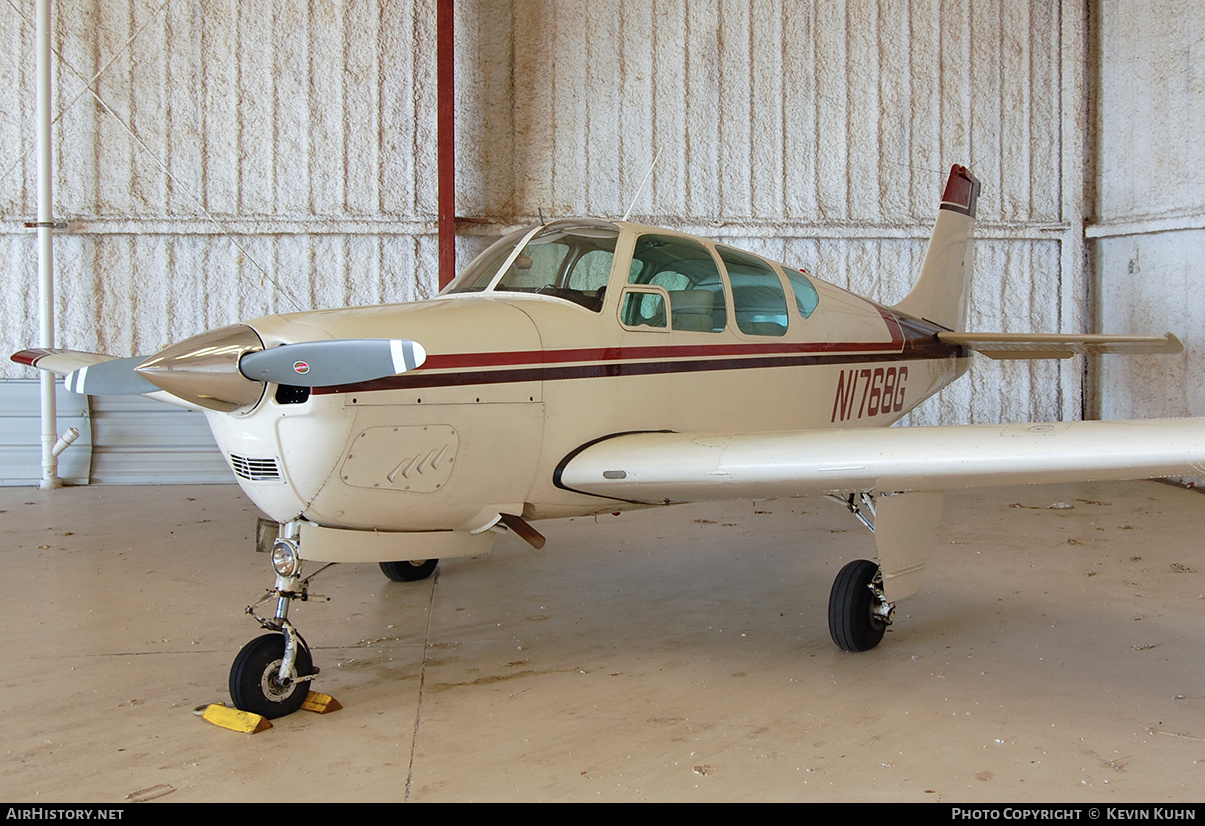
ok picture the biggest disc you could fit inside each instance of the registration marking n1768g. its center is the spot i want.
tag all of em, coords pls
(868, 391)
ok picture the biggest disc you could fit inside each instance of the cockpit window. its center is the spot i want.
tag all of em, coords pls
(688, 273)
(565, 259)
(481, 271)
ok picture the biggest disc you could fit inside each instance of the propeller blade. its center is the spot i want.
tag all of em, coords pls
(331, 363)
(110, 378)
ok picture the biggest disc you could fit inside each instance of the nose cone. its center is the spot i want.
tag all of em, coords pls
(204, 369)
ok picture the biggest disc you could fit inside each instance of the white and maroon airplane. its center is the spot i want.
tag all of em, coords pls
(590, 366)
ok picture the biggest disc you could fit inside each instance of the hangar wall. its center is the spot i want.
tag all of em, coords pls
(1147, 235)
(247, 158)
(817, 133)
(255, 157)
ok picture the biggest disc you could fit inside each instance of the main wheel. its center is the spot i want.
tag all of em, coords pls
(409, 571)
(254, 678)
(851, 618)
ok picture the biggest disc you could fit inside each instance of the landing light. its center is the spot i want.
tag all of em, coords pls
(286, 559)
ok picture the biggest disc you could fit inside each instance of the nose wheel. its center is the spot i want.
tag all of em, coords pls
(256, 684)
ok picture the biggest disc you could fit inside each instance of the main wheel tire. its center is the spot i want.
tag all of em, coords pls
(851, 619)
(254, 683)
(409, 571)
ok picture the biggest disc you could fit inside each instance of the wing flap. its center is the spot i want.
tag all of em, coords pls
(1059, 345)
(664, 468)
(905, 527)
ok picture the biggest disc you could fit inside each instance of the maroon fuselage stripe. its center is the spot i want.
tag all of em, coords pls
(470, 361)
(911, 341)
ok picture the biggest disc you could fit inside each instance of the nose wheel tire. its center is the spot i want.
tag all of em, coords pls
(254, 678)
(409, 571)
(852, 621)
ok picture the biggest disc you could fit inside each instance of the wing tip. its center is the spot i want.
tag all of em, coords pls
(31, 356)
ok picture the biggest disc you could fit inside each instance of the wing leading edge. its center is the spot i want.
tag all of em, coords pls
(903, 469)
(664, 468)
(97, 374)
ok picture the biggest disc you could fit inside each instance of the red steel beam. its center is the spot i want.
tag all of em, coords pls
(446, 137)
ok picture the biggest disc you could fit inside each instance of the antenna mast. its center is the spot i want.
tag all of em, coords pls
(641, 187)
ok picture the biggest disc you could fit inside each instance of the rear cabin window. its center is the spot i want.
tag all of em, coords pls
(758, 300)
(806, 297)
(690, 277)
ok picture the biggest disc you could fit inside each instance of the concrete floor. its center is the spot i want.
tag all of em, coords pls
(1052, 655)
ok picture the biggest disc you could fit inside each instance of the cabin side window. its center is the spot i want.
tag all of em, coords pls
(643, 307)
(806, 297)
(690, 277)
(758, 300)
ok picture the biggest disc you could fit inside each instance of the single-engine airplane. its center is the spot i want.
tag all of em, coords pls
(591, 366)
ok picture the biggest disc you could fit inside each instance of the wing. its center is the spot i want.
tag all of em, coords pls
(665, 468)
(903, 469)
(59, 361)
(190, 372)
(97, 374)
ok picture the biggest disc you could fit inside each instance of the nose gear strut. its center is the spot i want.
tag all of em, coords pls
(271, 674)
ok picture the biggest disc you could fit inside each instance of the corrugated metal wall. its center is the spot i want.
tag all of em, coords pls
(1147, 237)
(764, 110)
(20, 434)
(124, 440)
(254, 157)
(239, 158)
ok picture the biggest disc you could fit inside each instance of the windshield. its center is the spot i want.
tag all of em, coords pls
(565, 259)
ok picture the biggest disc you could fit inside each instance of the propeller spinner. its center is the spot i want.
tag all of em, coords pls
(204, 369)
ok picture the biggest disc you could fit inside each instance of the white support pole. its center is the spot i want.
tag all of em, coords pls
(50, 461)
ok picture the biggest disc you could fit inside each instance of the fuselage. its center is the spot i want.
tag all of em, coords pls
(552, 339)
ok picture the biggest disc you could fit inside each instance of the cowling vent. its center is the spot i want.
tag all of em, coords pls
(255, 470)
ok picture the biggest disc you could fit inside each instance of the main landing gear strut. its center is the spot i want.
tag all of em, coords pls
(271, 675)
(858, 610)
